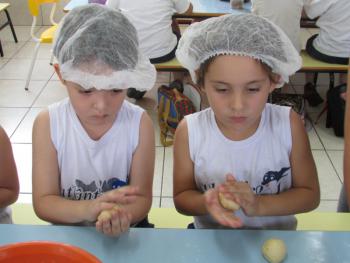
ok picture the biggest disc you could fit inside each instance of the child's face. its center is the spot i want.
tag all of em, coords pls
(95, 107)
(237, 88)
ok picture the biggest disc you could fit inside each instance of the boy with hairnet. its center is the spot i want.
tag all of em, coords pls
(153, 22)
(242, 150)
(93, 152)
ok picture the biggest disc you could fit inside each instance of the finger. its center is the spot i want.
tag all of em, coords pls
(116, 230)
(106, 227)
(124, 220)
(232, 221)
(99, 226)
(230, 177)
(106, 206)
(128, 190)
(120, 197)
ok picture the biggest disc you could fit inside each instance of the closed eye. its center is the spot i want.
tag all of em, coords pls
(116, 90)
(84, 91)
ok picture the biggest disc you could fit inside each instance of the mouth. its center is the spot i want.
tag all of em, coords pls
(238, 119)
(100, 117)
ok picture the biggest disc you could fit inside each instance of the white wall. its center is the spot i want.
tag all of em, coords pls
(20, 15)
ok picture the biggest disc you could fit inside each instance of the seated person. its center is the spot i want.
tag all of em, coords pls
(242, 149)
(332, 44)
(153, 22)
(93, 152)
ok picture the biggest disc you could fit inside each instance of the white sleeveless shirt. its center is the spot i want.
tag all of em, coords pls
(88, 167)
(261, 160)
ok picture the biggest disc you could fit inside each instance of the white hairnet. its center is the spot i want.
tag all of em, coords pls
(242, 35)
(97, 47)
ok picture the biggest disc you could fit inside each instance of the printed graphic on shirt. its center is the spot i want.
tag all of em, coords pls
(82, 191)
(271, 182)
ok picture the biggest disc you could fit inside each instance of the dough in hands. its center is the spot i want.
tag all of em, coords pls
(227, 203)
(274, 250)
(107, 214)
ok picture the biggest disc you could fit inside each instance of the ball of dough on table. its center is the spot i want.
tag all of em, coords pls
(274, 250)
(227, 203)
(107, 214)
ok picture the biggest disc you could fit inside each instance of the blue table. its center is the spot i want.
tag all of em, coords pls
(201, 8)
(181, 245)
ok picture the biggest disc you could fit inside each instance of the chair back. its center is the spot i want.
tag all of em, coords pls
(34, 5)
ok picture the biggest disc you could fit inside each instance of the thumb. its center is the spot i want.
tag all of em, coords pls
(230, 177)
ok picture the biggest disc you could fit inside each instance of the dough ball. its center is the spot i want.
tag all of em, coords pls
(274, 250)
(227, 203)
(107, 214)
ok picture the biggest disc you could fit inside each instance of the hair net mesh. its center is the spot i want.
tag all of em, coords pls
(242, 35)
(97, 47)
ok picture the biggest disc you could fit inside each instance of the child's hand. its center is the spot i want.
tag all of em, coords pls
(220, 214)
(120, 196)
(241, 193)
(117, 222)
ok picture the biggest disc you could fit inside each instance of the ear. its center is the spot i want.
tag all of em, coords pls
(58, 72)
(274, 83)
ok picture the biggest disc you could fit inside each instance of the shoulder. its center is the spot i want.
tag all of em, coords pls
(131, 108)
(42, 121)
(277, 112)
(4, 139)
(200, 115)
(146, 121)
(297, 125)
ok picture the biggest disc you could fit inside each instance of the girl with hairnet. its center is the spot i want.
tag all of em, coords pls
(242, 149)
(93, 152)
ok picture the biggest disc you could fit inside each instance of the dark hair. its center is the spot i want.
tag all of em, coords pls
(203, 69)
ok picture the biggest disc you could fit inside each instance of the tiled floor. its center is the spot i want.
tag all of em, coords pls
(18, 109)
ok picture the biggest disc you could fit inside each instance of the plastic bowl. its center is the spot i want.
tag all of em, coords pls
(44, 251)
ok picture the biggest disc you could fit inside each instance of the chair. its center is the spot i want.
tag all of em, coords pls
(46, 36)
(3, 7)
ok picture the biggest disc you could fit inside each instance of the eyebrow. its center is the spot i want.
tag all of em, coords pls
(227, 83)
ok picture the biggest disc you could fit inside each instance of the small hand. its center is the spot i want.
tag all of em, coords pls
(116, 223)
(120, 196)
(241, 193)
(220, 214)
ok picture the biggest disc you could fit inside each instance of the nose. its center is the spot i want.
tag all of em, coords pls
(237, 101)
(100, 102)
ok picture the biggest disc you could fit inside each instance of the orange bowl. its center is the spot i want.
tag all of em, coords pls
(44, 251)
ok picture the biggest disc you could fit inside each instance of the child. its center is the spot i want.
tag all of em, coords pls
(89, 145)
(153, 22)
(332, 44)
(284, 13)
(254, 153)
(9, 186)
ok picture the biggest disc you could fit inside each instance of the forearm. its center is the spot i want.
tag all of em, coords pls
(191, 203)
(7, 197)
(293, 201)
(58, 210)
(139, 209)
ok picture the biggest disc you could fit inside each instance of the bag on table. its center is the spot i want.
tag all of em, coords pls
(173, 105)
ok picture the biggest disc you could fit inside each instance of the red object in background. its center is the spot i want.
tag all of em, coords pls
(44, 251)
